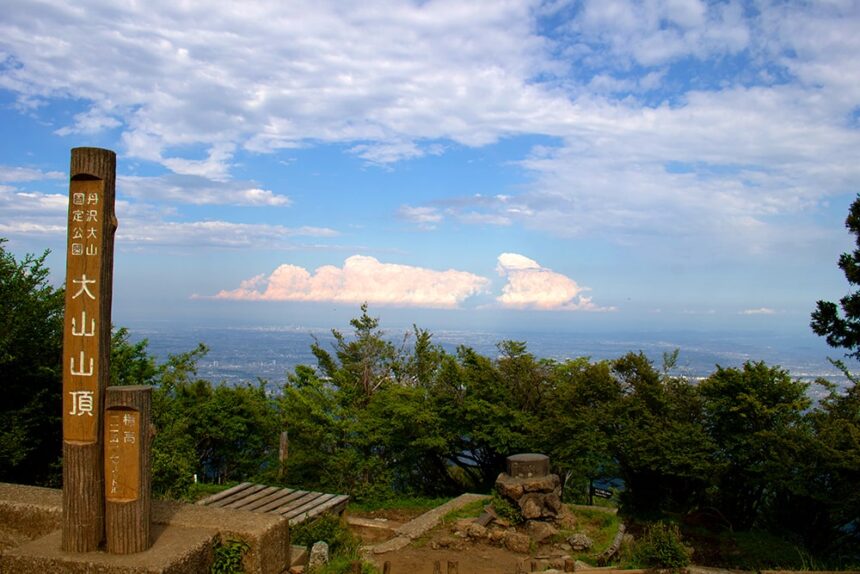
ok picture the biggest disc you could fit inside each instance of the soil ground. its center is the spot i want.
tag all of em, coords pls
(442, 545)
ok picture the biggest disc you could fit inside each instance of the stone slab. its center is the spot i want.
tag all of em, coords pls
(267, 534)
(176, 550)
(30, 511)
(33, 512)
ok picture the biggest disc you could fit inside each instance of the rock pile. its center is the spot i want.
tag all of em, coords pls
(529, 486)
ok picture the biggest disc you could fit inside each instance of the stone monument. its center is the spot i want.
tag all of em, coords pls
(529, 485)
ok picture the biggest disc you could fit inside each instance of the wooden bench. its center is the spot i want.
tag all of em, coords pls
(295, 505)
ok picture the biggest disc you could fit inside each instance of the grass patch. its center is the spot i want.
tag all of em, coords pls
(598, 525)
(343, 565)
(757, 549)
(200, 490)
(470, 510)
(412, 503)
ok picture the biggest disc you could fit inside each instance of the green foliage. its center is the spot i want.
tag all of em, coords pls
(842, 330)
(328, 528)
(756, 420)
(31, 315)
(228, 557)
(218, 432)
(661, 547)
(418, 504)
(758, 550)
(470, 510)
(506, 510)
(663, 453)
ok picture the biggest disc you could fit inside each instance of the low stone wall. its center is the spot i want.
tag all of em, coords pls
(185, 531)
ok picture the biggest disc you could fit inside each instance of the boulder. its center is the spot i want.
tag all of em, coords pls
(548, 483)
(496, 535)
(319, 555)
(516, 542)
(580, 542)
(540, 531)
(531, 506)
(509, 487)
(475, 530)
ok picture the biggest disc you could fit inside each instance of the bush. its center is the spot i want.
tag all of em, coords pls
(329, 528)
(661, 547)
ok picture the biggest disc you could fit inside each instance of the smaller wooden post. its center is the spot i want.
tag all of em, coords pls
(437, 567)
(128, 475)
(453, 567)
(386, 567)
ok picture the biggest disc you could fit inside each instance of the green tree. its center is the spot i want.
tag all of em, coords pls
(842, 330)
(576, 433)
(363, 364)
(657, 437)
(755, 416)
(31, 315)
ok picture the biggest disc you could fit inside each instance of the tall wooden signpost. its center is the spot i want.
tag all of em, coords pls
(86, 344)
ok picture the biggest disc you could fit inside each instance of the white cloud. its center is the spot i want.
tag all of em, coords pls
(383, 76)
(363, 278)
(654, 32)
(214, 234)
(425, 217)
(530, 286)
(198, 190)
(759, 311)
(28, 213)
(31, 213)
(10, 174)
(689, 173)
(514, 262)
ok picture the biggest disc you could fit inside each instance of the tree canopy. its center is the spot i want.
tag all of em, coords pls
(842, 329)
(31, 338)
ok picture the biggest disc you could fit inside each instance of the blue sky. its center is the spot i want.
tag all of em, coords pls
(541, 165)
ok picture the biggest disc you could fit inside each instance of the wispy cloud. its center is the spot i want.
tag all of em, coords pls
(32, 213)
(426, 217)
(197, 190)
(12, 174)
(759, 311)
(363, 278)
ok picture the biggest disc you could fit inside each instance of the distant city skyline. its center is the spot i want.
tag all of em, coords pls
(573, 165)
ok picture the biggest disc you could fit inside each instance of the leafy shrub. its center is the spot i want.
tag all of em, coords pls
(329, 528)
(506, 510)
(661, 547)
(228, 557)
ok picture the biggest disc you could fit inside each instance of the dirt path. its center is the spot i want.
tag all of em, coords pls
(471, 560)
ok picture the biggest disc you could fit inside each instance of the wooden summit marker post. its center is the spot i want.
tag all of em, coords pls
(127, 468)
(86, 343)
